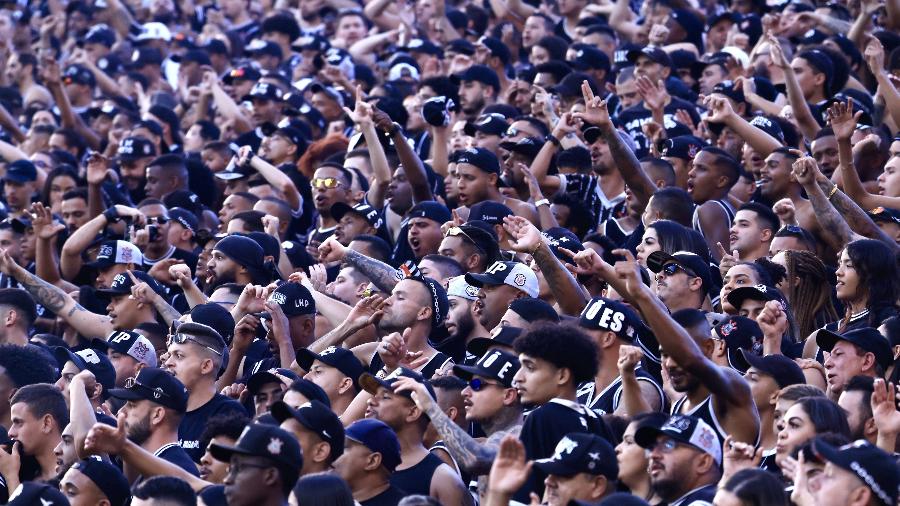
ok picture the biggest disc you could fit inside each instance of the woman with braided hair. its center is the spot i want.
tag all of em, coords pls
(807, 288)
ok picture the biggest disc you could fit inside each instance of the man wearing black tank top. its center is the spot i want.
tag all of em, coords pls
(420, 471)
(554, 361)
(712, 175)
(718, 395)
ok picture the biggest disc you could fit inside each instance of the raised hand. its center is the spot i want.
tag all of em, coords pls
(141, 291)
(332, 251)
(181, 273)
(805, 170)
(654, 95)
(318, 276)
(161, 271)
(362, 110)
(772, 320)
(42, 221)
(236, 391)
(729, 260)
(419, 393)
(366, 312)
(884, 408)
(719, 109)
(97, 169)
(628, 271)
(510, 469)
(874, 54)
(534, 188)
(785, 211)
(382, 121)
(776, 53)
(738, 456)
(392, 350)
(801, 495)
(659, 34)
(629, 358)
(7, 264)
(271, 224)
(103, 438)
(252, 299)
(588, 262)
(565, 125)
(525, 237)
(843, 120)
(595, 112)
(281, 328)
(11, 462)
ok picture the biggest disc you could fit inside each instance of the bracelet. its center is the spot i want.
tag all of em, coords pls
(111, 215)
(834, 190)
(542, 202)
(551, 138)
(539, 244)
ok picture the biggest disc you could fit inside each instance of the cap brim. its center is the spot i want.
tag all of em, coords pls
(230, 176)
(480, 345)
(101, 264)
(826, 339)
(281, 412)
(126, 394)
(645, 437)
(371, 384)
(549, 466)
(110, 291)
(467, 371)
(259, 379)
(480, 280)
(658, 259)
(305, 358)
(755, 361)
(223, 453)
(827, 452)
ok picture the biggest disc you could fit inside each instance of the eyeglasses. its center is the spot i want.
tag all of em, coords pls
(154, 393)
(456, 231)
(673, 268)
(511, 132)
(179, 338)
(666, 445)
(238, 466)
(325, 182)
(157, 220)
(478, 385)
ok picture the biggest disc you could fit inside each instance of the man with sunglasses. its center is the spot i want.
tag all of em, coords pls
(472, 246)
(331, 183)
(685, 456)
(155, 403)
(195, 358)
(683, 279)
(490, 400)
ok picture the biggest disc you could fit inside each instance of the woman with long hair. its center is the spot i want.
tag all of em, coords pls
(808, 289)
(666, 236)
(759, 272)
(752, 487)
(807, 418)
(633, 460)
(59, 181)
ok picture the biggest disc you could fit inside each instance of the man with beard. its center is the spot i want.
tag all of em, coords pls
(236, 259)
(500, 284)
(717, 395)
(133, 156)
(685, 456)
(478, 87)
(155, 404)
(460, 322)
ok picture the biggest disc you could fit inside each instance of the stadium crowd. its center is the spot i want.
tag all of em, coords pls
(458, 253)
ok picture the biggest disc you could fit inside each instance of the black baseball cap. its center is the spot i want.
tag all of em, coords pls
(588, 57)
(367, 212)
(244, 72)
(263, 91)
(580, 452)
(490, 212)
(294, 299)
(483, 240)
(30, 493)
(514, 274)
(560, 237)
(612, 316)
(434, 211)
(318, 418)
(107, 477)
(371, 383)
(79, 74)
(260, 378)
(497, 48)
(742, 336)
(656, 55)
(684, 147)
(867, 338)
(341, 359)
(532, 309)
(20, 171)
(874, 467)
(760, 292)
(267, 441)
(378, 437)
(783, 370)
(529, 147)
(491, 124)
(496, 364)
(155, 385)
(135, 148)
(88, 359)
(122, 283)
(479, 73)
(503, 338)
(768, 126)
(422, 46)
(185, 218)
(461, 46)
(480, 158)
(686, 259)
(884, 215)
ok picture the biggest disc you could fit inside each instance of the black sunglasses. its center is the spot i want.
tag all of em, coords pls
(477, 384)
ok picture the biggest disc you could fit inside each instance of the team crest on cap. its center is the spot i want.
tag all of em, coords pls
(274, 446)
(727, 329)
(761, 288)
(519, 280)
(693, 149)
(278, 298)
(564, 447)
(471, 291)
(157, 392)
(105, 251)
(328, 351)
(679, 423)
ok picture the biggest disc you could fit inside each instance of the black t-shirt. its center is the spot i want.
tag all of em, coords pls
(389, 497)
(194, 423)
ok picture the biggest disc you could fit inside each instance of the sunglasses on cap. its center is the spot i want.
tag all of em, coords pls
(457, 232)
(478, 384)
(794, 229)
(672, 268)
(325, 182)
(179, 338)
(132, 383)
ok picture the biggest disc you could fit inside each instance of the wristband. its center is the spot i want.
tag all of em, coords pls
(542, 202)
(553, 139)
(111, 215)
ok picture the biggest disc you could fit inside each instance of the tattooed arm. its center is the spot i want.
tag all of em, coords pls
(857, 219)
(637, 180)
(83, 321)
(569, 295)
(381, 274)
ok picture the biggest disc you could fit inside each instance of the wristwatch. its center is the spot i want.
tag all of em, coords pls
(111, 215)
(554, 140)
(542, 202)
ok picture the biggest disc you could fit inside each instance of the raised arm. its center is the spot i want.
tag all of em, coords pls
(226, 106)
(71, 261)
(875, 58)
(362, 116)
(81, 412)
(68, 117)
(802, 113)
(412, 164)
(720, 111)
(675, 341)
(380, 274)
(59, 302)
(596, 113)
(839, 232)
(526, 238)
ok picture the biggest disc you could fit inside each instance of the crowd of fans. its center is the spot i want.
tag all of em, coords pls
(420, 252)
